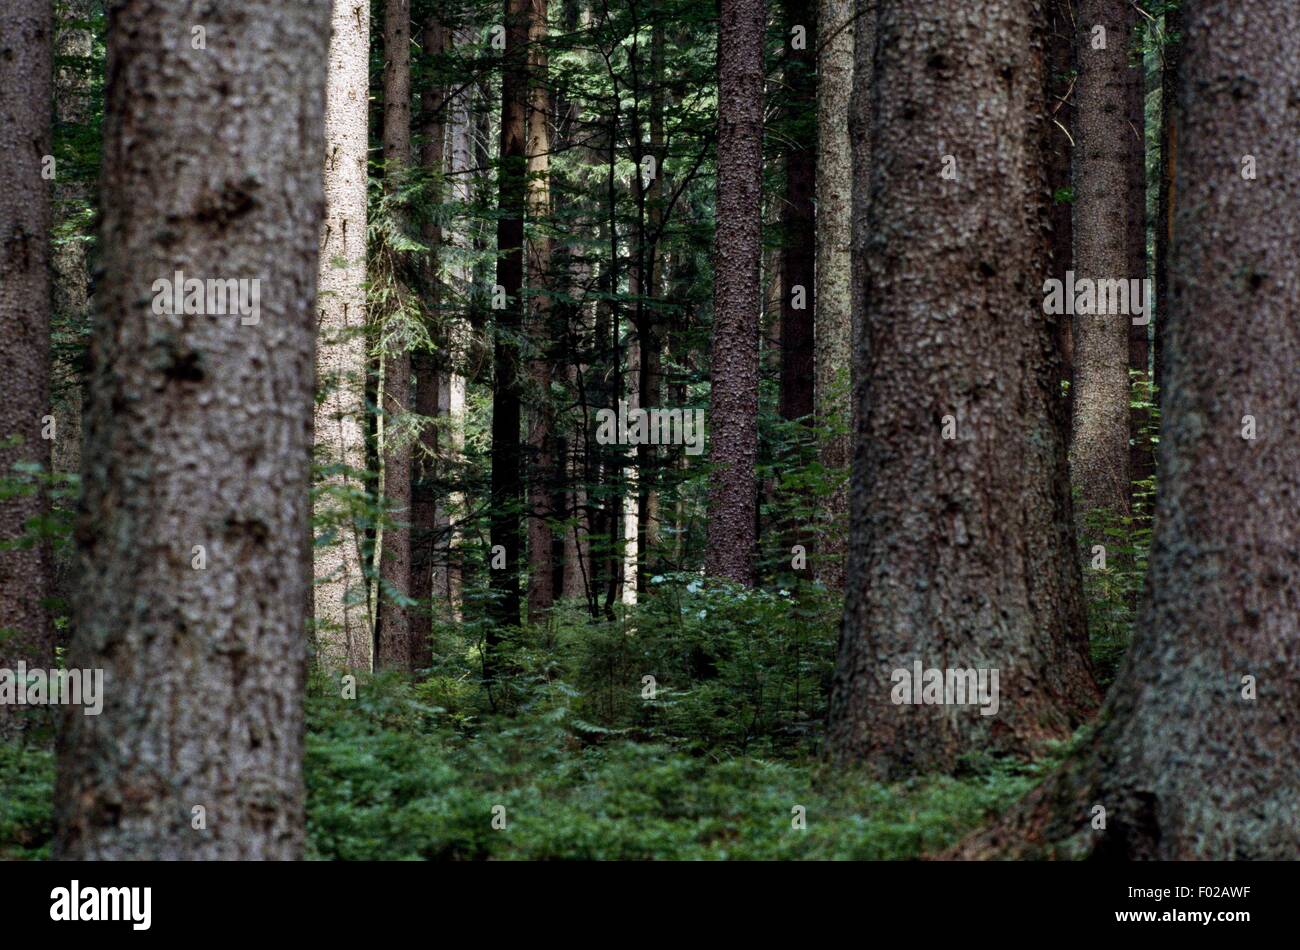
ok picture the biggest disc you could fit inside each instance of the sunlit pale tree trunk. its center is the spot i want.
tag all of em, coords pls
(26, 91)
(344, 635)
(961, 552)
(447, 572)
(834, 296)
(1195, 755)
(194, 530)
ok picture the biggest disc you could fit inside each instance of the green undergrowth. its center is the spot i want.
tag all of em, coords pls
(687, 728)
(387, 779)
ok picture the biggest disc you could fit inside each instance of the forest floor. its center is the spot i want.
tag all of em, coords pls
(575, 763)
(387, 782)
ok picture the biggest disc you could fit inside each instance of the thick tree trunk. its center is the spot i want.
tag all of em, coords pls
(507, 472)
(733, 495)
(834, 297)
(394, 648)
(1191, 758)
(1099, 456)
(26, 97)
(343, 630)
(194, 528)
(961, 553)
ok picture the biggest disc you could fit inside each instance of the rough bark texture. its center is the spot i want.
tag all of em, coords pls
(26, 95)
(834, 297)
(198, 433)
(733, 495)
(961, 553)
(1099, 463)
(343, 632)
(507, 473)
(394, 648)
(1184, 765)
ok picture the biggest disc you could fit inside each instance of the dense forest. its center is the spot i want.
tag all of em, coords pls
(649, 429)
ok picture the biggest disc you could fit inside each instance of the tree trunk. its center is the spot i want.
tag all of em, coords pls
(194, 527)
(448, 575)
(961, 553)
(394, 648)
(733, 496)
(429, 367)
(834, 297)
(26, 96)
(464, 341)
(343, 630)
(1099, 458)
(507, 473)
(1192, 760)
